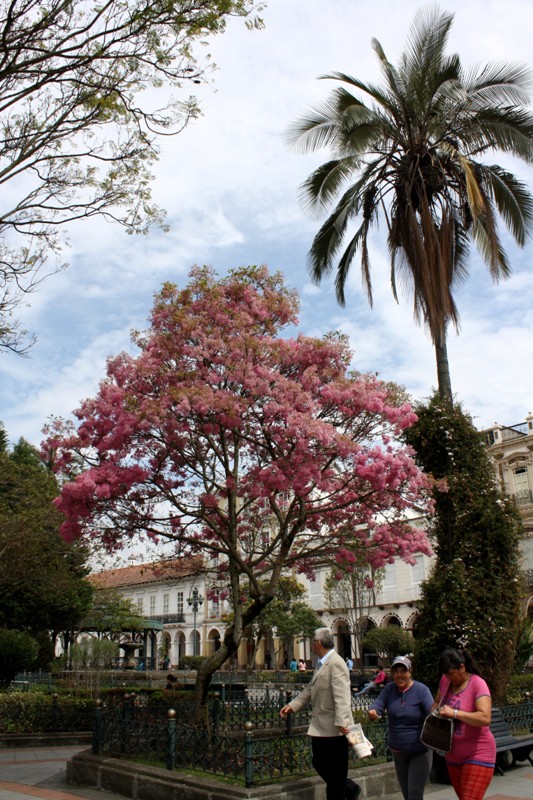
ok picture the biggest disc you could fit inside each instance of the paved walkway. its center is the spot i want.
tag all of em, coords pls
(27, 773)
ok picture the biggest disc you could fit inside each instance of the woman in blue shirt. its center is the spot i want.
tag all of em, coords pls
(407, 703)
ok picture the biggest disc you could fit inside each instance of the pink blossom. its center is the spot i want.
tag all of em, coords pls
(231, 438)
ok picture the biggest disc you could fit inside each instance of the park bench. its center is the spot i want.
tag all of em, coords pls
(519, 747)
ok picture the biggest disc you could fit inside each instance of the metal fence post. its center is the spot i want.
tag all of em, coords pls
(289, 719)
(171, 738)
(125, 723)
(54, 716)
(248, 755)
(97, 728)
(216, 711)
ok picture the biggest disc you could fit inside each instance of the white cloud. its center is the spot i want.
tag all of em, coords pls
(230, 185)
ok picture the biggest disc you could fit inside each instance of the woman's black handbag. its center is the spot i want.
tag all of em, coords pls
(437, 732)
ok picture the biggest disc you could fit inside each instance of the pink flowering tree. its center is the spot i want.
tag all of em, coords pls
(259, 451)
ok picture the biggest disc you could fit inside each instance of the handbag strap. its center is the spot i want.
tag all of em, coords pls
(441, 701)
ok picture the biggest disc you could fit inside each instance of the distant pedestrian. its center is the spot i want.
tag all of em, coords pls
(302, 666)
(349, 663)
(294, 665)
(377, 682)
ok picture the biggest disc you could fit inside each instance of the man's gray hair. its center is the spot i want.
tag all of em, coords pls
(325, 637)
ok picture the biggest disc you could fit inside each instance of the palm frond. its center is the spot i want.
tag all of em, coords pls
(426, 43)
(505, 84)
(513, 200)
(509, 130)
(476, 200)
(324, 183)
(345, 263)
(329, 238)
(493, 255)
(376, 93)
(313, 131)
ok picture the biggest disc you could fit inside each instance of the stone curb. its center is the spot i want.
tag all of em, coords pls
(140, 782)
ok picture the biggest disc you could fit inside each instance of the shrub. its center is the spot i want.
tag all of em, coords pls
(191, 662)
(94, 654)
(37, 712)
(520, 688)
(18, 652)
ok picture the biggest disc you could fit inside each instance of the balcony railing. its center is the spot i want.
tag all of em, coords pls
(523, 498)
(166, 618)
(506, 433)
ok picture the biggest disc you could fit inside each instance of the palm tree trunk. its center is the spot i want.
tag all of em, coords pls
(443, 370)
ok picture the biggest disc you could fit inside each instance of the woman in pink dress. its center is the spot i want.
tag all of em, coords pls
(466, 699)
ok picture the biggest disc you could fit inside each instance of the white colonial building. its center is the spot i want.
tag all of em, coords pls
(177, 595)
(511, 448)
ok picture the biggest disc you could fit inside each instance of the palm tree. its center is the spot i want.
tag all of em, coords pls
(411, 157)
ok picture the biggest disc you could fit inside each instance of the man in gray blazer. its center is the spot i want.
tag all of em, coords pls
(330, 695)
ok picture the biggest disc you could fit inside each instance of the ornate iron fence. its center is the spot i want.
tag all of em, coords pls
(235, 747)
(519, 717)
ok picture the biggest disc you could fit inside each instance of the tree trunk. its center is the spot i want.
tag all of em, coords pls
(443, 370)
(228, 646)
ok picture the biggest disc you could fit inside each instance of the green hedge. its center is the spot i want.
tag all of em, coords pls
(520, 688)
(39, 712)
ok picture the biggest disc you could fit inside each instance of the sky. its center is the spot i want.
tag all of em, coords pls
(230, 185)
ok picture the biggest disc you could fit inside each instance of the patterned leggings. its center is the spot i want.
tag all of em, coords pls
(470, 781)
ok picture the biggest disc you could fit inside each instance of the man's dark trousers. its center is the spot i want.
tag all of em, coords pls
(330, 759)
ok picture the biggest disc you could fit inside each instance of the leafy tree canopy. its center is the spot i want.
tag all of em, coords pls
(18, 652)
(111, 614)
(42, 577)
(388, 642)
(288, 615)
(260, 450)
(79, 128)
(352, 588)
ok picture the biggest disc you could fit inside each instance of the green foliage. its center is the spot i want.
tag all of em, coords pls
(110, 613)
(74, 147)
(37, 712)
(287, 614)
(388, 642)
(42, 578)
(93, 654)
(523, 644)
(191, 662)
(471, 599)
(18, 652)
(519, 689)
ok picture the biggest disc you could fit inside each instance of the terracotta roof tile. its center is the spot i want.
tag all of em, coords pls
(154, 572)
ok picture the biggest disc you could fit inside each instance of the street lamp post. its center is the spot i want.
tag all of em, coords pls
(195, 600)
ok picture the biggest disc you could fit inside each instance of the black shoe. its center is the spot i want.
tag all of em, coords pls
(353, 790)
